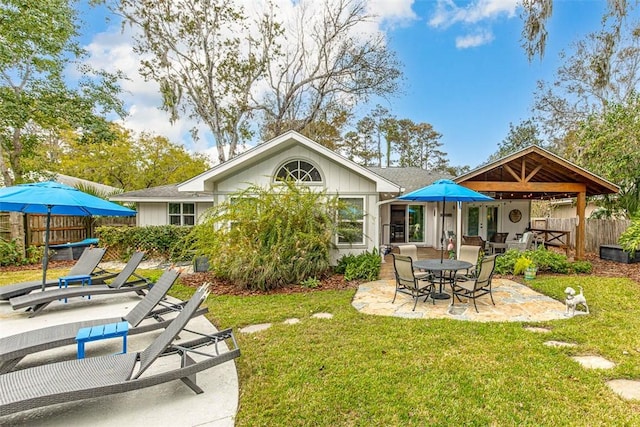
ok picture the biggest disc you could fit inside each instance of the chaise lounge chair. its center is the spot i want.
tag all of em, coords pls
(37, 301)
(15, 347)
(92, 377)
(87, 265)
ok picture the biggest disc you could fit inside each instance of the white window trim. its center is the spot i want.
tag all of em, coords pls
(315, 166)
(181, 215)
(362, 221)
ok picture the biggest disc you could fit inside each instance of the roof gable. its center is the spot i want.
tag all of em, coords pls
(534, 172)
(260, 151)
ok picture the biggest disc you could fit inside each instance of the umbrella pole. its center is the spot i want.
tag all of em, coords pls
(442, 233)
(45, 258)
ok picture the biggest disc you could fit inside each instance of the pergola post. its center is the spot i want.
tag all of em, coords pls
(581, 205)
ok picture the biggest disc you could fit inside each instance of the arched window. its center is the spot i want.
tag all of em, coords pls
(298, 171)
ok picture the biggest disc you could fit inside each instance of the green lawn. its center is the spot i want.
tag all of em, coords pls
(367, 370)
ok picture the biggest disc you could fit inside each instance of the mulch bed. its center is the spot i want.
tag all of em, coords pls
(336, 282)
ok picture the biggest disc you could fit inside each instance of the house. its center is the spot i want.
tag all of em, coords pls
(386, 220)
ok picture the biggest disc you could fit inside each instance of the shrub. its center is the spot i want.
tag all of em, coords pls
(265, 238)
(581, 267)
(511, 262)
(365, 266)
(11, 254)
(163, 241)
(630, 238)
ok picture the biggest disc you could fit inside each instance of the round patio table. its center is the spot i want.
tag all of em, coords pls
(450, 265)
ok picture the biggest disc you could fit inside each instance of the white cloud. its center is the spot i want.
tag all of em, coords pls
(472, 15)
(392, 11)
(449, 13)
(473, 40)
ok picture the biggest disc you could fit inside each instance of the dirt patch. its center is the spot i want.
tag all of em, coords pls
(223, 287)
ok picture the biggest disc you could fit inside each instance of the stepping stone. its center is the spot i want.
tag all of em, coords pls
(538, 330)
(322, 315)
(457, 310)
(255, 328)
(291, 321)
(559, 344)
(594, 362)
(627, 389)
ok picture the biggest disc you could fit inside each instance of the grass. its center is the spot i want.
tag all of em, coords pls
(362, 370)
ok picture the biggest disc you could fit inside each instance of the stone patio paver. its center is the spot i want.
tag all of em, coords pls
(514, 303)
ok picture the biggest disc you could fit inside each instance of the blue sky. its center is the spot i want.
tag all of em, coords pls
(467, 76)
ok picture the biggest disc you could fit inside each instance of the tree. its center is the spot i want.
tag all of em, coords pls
(603, 68)
(38, 44)
(520, 136)
(131, 163)
(327, 63)
(417, 144)
(609, 145)
(216, 64)
(536, 13)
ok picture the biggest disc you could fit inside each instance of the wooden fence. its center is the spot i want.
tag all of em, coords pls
(63, 229)
(597, 231)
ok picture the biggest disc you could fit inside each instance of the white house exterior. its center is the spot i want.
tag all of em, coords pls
(386, 221)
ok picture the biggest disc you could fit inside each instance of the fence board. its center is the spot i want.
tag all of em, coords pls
(597, 231)
(5, 226)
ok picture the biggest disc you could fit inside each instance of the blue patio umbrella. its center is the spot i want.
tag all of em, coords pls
(444, 190)
(52, 198)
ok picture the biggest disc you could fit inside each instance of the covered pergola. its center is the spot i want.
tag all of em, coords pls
(534, 173)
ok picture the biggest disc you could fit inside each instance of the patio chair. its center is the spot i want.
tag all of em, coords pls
(409, 250)
(468, 253)
(87, 264)
(409, 282)
(479, 286)
(522, 244)
(474, 241)
(74, 380)
(142, 318)
(38, 301)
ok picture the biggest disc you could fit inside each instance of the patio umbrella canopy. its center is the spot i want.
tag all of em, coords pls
(444, 190)
(52, 198)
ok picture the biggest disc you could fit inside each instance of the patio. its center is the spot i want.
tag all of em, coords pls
(217, 406)
(514, 301)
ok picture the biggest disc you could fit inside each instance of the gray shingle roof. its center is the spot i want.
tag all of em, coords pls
(411, 178)
(167, 192)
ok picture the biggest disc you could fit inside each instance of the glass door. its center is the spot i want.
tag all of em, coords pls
(491, 221)
(482, 221)
(398, 220)
(416, 223)
(473, 221)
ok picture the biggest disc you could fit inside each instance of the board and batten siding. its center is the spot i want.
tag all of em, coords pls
(157, 213)
(337, 178)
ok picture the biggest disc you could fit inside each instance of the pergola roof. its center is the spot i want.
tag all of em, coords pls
(534, 173)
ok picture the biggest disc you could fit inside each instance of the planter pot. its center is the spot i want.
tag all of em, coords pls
(530, 273)
(200, 264)
(615, 253)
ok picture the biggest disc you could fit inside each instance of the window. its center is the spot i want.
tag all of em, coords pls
(298, 171)
(351, 218)
(182, 213)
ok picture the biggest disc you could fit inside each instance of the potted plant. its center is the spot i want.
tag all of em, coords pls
(525, 266)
